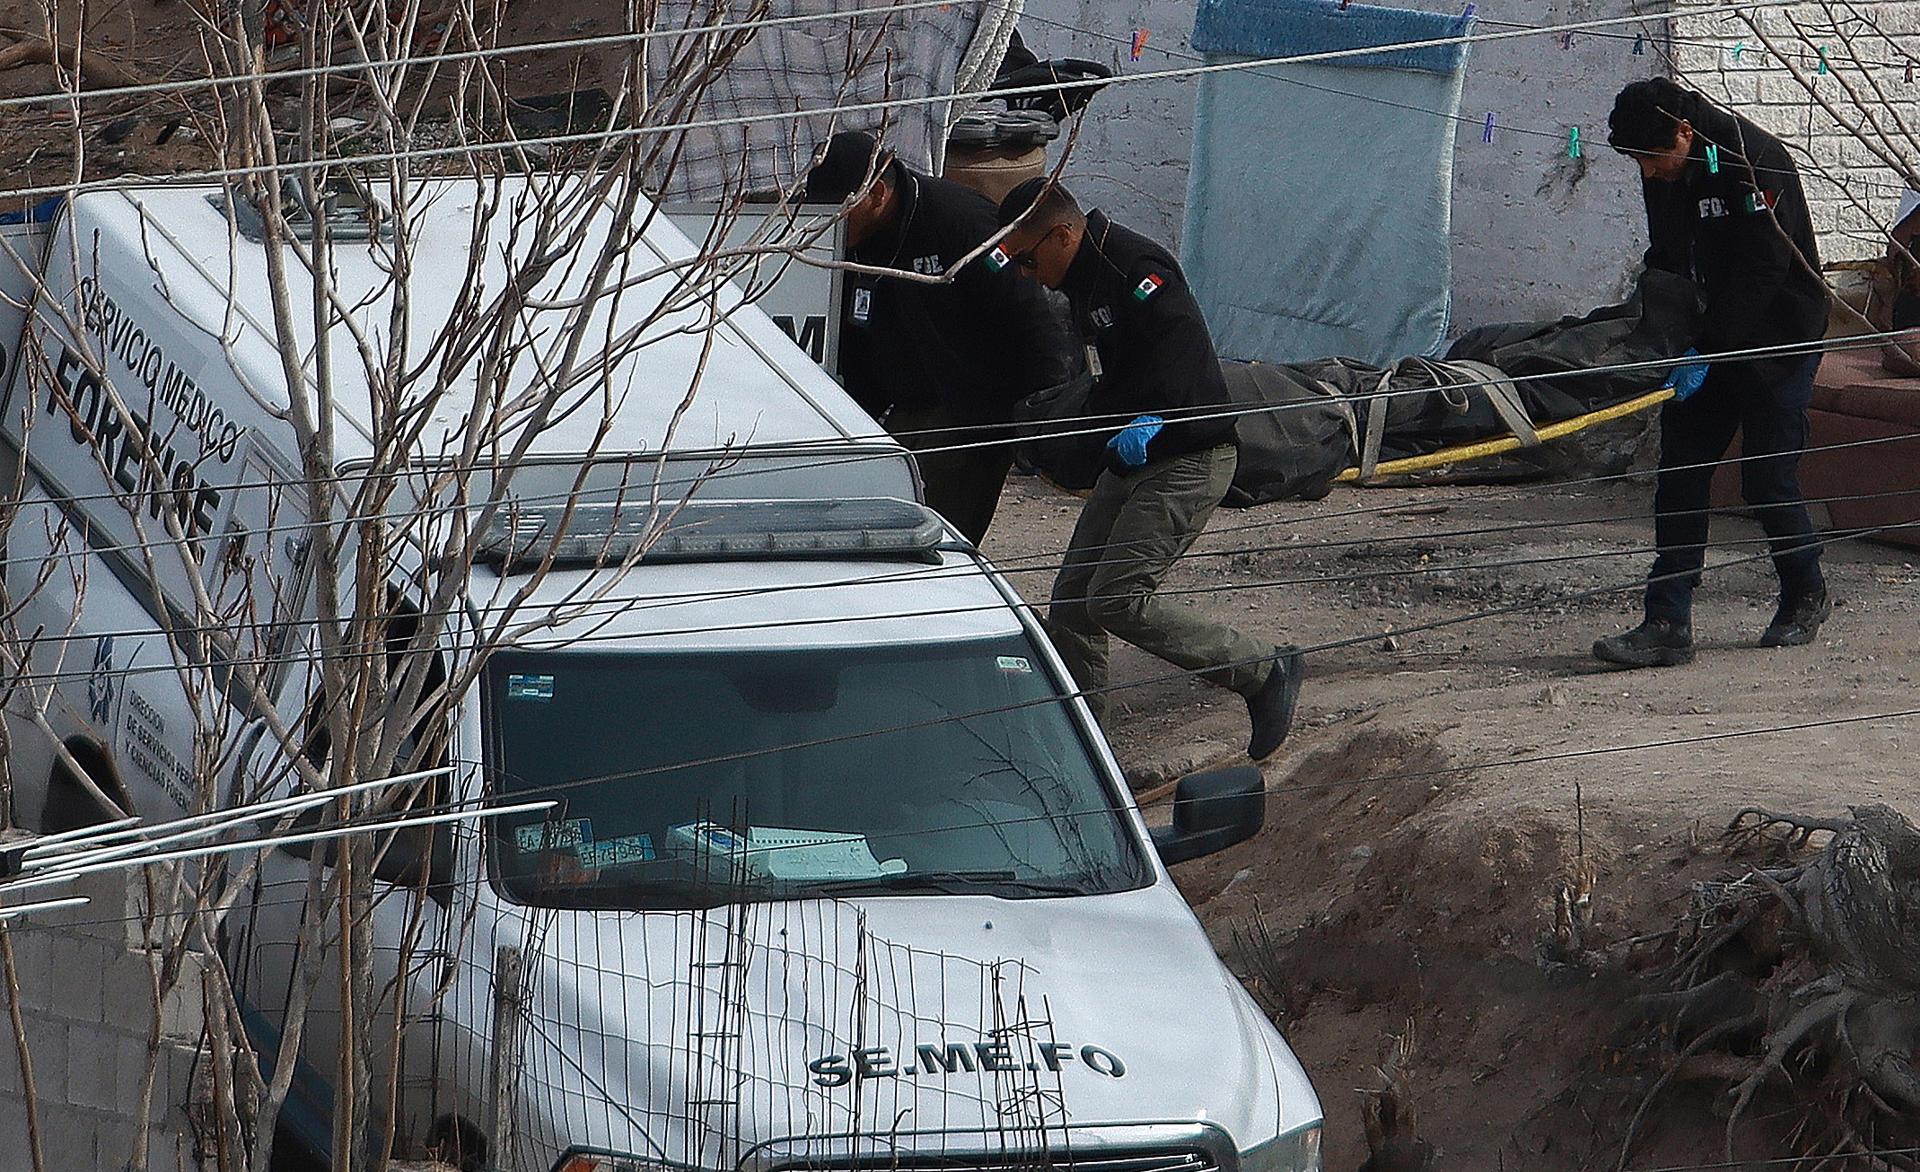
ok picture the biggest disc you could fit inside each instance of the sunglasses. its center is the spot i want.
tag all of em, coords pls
(1025, 260)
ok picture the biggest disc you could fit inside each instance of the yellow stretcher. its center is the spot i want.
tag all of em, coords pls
(1461, 453)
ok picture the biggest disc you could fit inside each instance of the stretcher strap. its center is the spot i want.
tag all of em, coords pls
(1376, 429)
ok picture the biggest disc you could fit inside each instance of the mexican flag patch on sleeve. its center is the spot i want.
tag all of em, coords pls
(1148, 287)
(1761, 201)
(998, 259)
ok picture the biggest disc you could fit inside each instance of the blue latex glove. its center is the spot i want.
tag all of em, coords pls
(1129, 446)
(1685, 380)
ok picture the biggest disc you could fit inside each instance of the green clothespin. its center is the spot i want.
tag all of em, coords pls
(1739, 49)
(1823, 61)
(1713, 159)
(1573, 142)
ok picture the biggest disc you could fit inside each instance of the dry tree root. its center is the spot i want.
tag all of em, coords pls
(95, 69)
(1801, 982)
(1388, 1117)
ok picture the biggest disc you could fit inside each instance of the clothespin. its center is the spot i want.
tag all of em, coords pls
(1823, 61)
(1139, 43)
(1639, 44)
(1573, 142)
(1713, 159)
(1739, 49)
(1566, 40)
(1466, 14)
(1486, 132)
(1345, 4)
(1909, 73)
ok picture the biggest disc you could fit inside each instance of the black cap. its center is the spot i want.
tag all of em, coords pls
(1647, 113)
(845, 167)
(1020, 199)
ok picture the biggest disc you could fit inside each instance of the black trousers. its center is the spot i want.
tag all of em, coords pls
(1770, 413)
(962, 486)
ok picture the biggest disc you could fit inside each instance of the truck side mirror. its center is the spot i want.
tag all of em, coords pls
(415, 856)
(1211, 812)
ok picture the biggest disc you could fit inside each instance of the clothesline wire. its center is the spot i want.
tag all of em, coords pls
(610, 134)
(1561, 135)
(375, 825)
(1180, 674)
(550, 789)
(484, 53)
(619, 606)
(170, 667)
(1125, 807)
(694, 482)
(1100, 422)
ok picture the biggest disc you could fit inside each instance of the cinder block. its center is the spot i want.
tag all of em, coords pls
(13, 1125)
(129, 1068)
(1778, 88)
(1739, 89)
(47, 1047)
(33, 961)
(79, 976)
(92, 1054)
(127, 992)
(69, 1138)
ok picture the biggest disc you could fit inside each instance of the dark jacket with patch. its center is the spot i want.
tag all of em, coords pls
(1132, 305)
(973, 347)
(1744, 234)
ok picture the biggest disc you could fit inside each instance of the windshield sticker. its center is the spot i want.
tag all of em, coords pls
(521, 687)
(784, 853)
(1015, 664)
(553, 836)
(616, 852)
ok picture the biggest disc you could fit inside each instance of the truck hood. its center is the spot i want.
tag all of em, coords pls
(913, 1024)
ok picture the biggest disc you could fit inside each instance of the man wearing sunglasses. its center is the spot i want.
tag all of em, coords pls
(939, 364)
(1170, 458)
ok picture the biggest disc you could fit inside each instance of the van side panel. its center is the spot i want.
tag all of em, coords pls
(151, 496)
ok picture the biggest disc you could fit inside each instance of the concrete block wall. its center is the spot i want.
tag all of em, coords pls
(1535, 234)
(86, 1007)
(1852, 194)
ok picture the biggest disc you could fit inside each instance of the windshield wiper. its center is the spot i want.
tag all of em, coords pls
(944, 883)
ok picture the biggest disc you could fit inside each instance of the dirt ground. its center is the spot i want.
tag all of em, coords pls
(1441, 783)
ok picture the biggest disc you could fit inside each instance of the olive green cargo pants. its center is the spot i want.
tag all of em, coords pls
(1133, 530)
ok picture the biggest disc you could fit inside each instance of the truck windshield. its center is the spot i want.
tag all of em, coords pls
(690, 779)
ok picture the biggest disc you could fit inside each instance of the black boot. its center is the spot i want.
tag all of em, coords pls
(1654, 643)
(1271, 708)
(1798, 620)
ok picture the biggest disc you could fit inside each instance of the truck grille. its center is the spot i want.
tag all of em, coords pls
(1184, 1160)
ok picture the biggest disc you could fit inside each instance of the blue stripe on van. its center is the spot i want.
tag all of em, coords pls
(308, 1111)
(39, 213)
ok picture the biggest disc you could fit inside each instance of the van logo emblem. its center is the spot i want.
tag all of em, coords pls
(100, 681)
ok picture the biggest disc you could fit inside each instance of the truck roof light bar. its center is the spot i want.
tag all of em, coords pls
(697, 531)
(349, 209)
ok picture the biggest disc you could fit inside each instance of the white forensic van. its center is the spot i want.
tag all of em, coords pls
(840, 875)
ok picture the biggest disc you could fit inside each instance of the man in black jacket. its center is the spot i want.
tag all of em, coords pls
(1724, 207)
(1170, 458)
(941, 364)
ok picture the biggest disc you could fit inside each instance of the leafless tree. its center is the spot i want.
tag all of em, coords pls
(329, 639)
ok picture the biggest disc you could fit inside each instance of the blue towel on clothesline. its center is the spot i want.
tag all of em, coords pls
(1287, 28)
(1319, 201)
